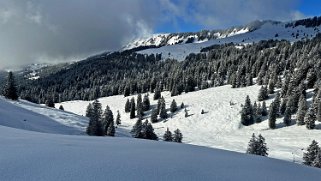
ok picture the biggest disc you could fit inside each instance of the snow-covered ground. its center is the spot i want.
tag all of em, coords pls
(34, 117)
(266, 31)
(220, 126)
(26, 155)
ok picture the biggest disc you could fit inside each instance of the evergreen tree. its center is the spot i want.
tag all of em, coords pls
(263, 94)
(283, 106)
(202, 112)
(277, 102)
(319, 111)
(108, 118)
(303, 107)
(271, 86)
(111, 129)
(132, 109)
(257, 146)
(140, 112)
(89, 110)
(178, 136)
(118, 121)
(311, 153)
(310, 118)
(50, 103)
(182, 106)
(272, 116)
(168, 135)
(163, 111)
(95, 127)
(317, 161)
(157, 93)
(264, 109)
(136, 131)
(148, 131)
(61, 108)
(186, 113)
(154, 115)
(173, 107)
(127, 106)
(10, 90)
(247, 115)
(287, 117)
(146, 103)
(126, 91)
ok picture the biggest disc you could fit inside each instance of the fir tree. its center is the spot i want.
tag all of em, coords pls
(146, 103)
(178, 136)
(319, 111)
(263, 94)
(10, 90)
(271, 86)
(317, 161)
(168, 135)
(287, 117)
(118, 121)
(303, 107)
(95, 126)
(310, 118)
(272, 116)
(277, 102)
(108, 118)
(283, 106)
(154, 115)
(264, 109)
(89, 110)
(126, 91)
(182, 106)
(140, 112)
(163, 111)
(136, 131)
(173, 107)
(61, 108)
(50, 103)
(157, 93)
(311, 153)
(247, 115)
(132, 109)
(148, 131)
(202, 112)
(186, 113)
(257, 146)
(127, 106)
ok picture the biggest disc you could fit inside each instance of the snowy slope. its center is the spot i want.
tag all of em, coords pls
(220, 127)
(265, 30)
(36, 156)
(34, 117)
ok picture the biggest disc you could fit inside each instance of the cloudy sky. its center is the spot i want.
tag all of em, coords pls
(33, 31)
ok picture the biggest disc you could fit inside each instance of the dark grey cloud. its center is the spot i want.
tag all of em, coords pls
(60, 30)
(63, 30)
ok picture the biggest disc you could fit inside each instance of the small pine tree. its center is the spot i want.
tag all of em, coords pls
(310, 118)
(311, 153)
(89, 110)
(178, 136)
(182, 106)
(132, 109)
(257, 146)
(118, 121)
(173, 107)
(10, 90)
(272, 116)
(186, 113)
(61, 108)
(108, 118)
(148, 131)
(127, 106)
(154, 115)
(50, 103)
(283, 106)
(163, 111)
(136, 131)
(263, 94)
(168, 135)
(247, 114)
(95, 127)
(146, 103)
(303, 107)
(202, 112)
(157, 93)
(264, 109)
(287, 117)
(317, 161)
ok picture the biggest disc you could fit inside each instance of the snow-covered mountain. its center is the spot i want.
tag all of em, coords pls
(179, 45)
